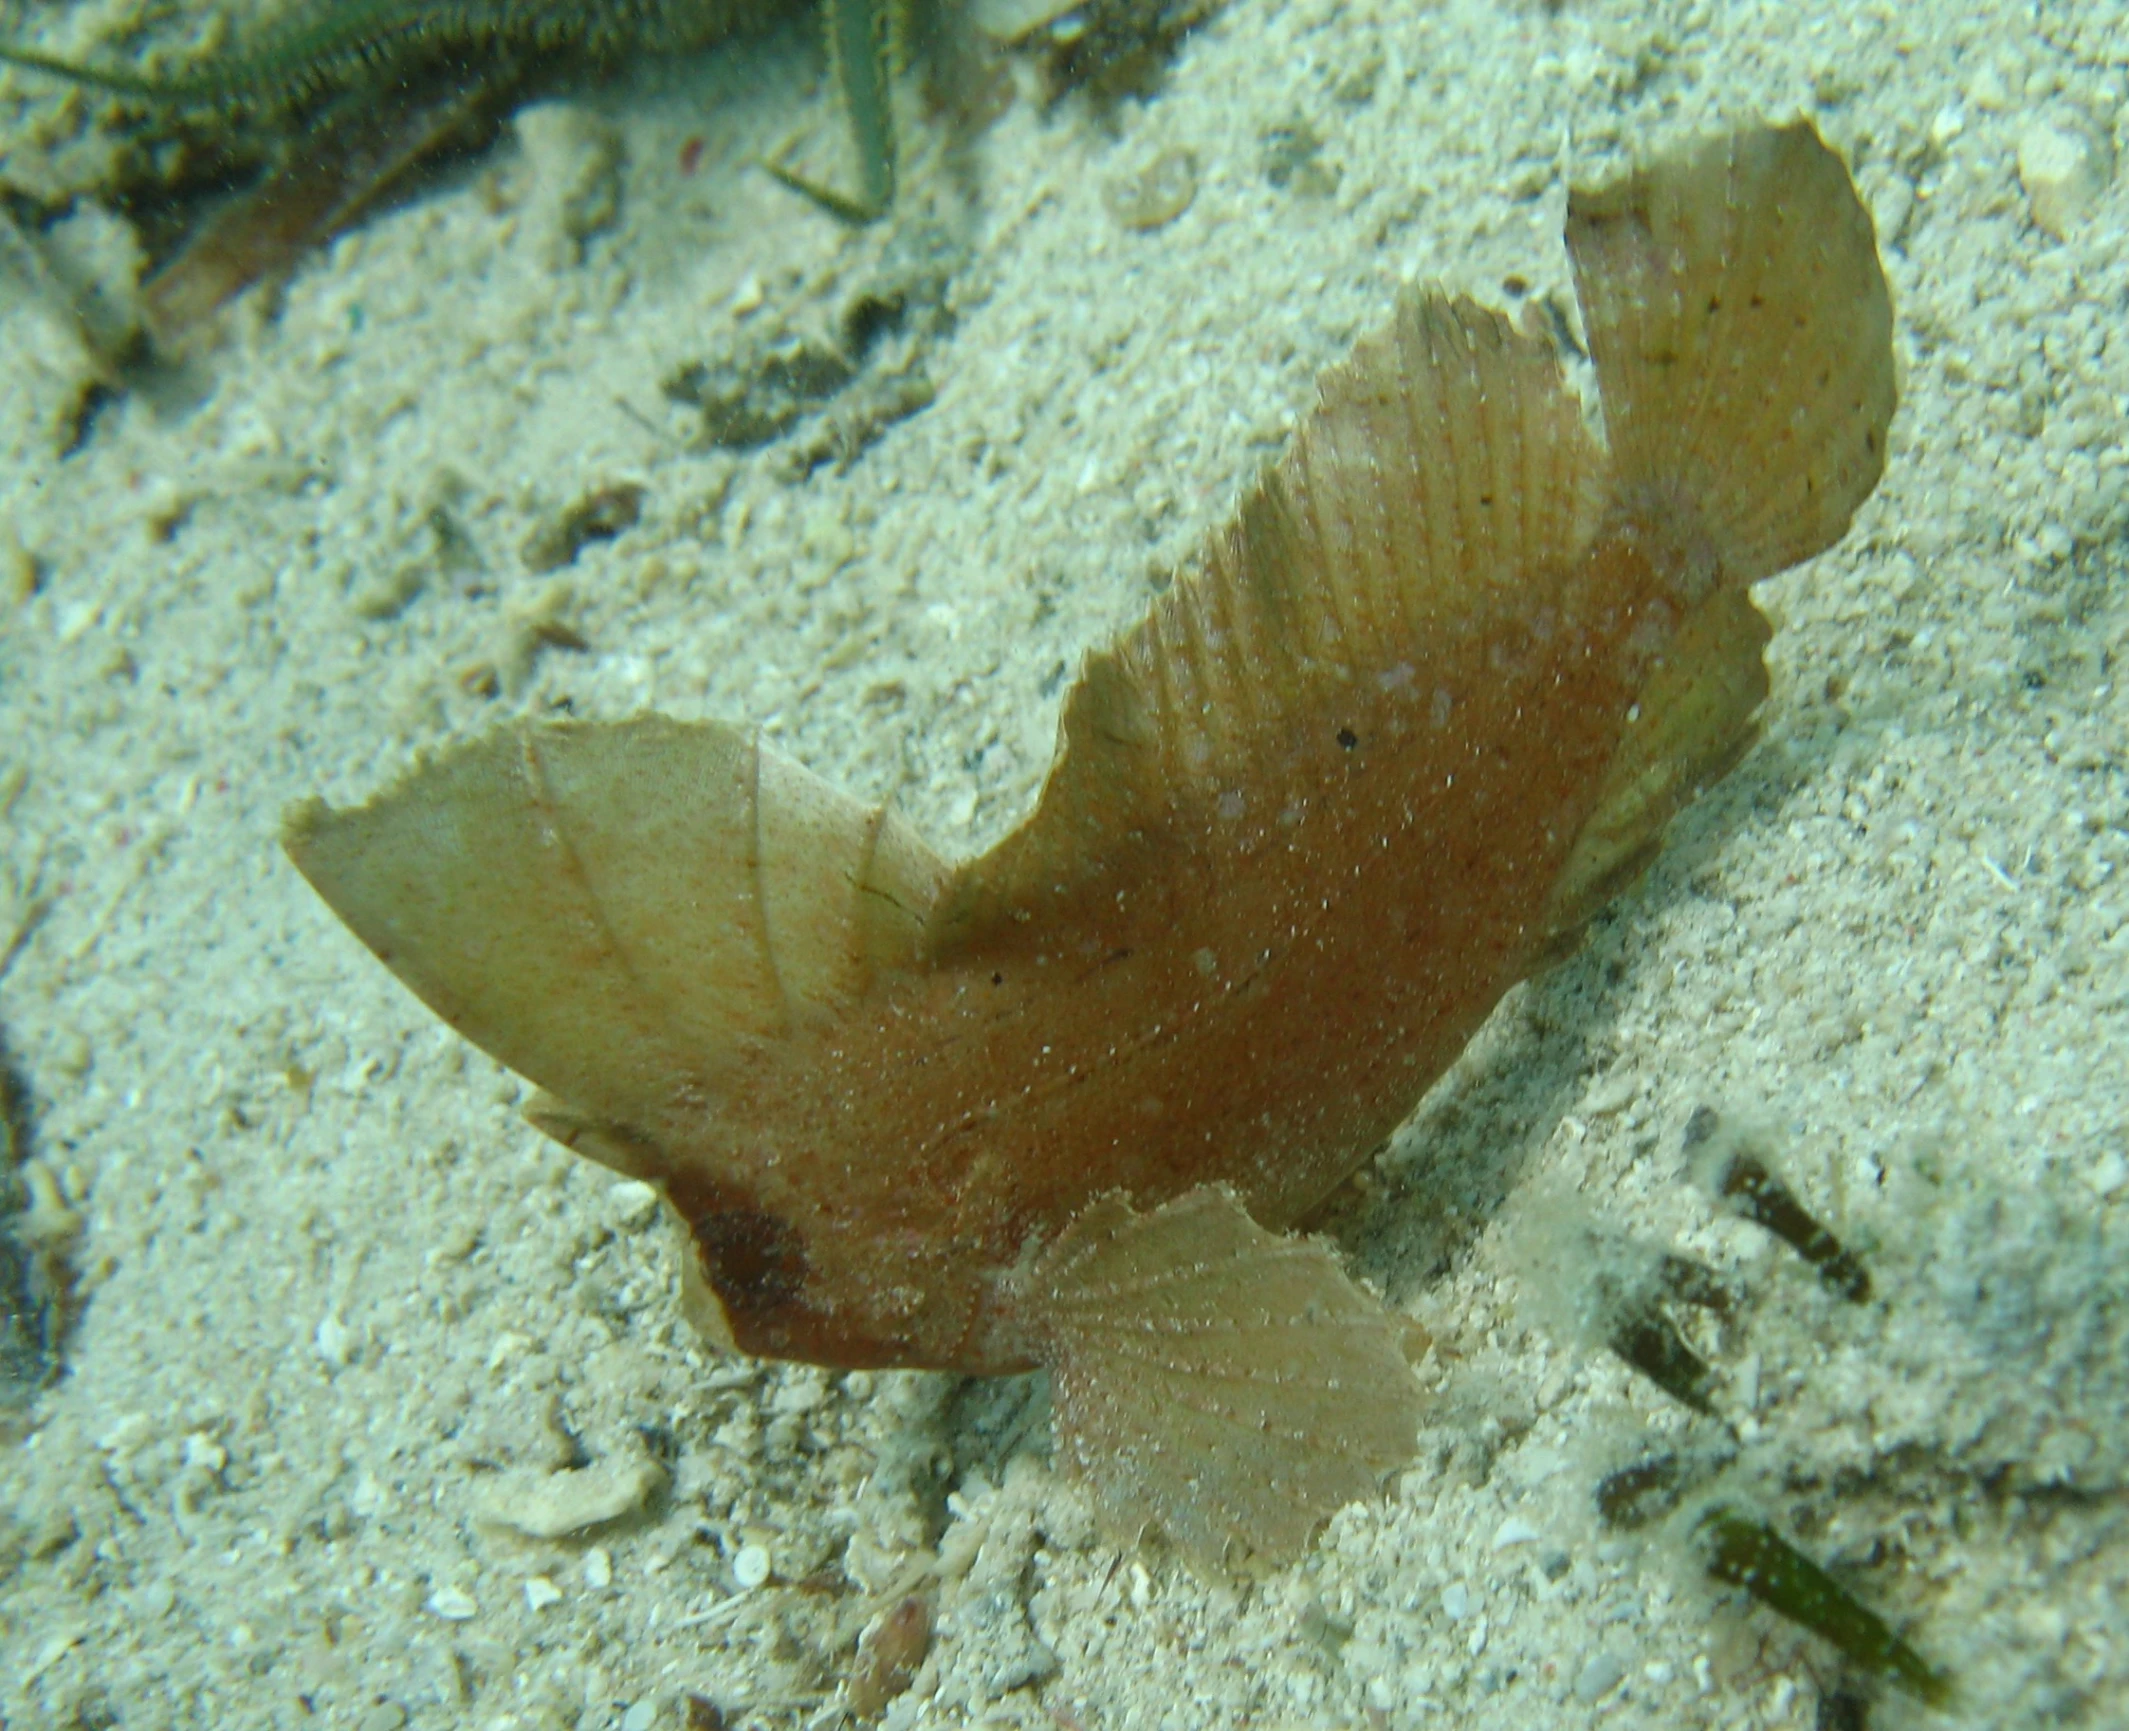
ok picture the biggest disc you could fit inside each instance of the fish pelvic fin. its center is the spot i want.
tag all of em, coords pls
(1230, 1385)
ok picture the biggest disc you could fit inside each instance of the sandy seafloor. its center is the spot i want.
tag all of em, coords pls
(339, 1305)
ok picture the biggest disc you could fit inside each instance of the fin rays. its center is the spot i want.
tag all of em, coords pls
(618, 912)
(1445, 468)
(1229, 1383)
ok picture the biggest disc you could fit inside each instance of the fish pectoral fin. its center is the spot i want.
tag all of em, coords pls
(1229, 1384)
(1695, 719)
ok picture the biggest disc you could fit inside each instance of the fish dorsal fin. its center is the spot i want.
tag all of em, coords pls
(1224, 1382)
(1445, 463)
(1742, 333)
(617, 910)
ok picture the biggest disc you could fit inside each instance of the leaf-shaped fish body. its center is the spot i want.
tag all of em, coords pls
(1423, 706)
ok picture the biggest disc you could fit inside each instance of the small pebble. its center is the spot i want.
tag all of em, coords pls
(383, 593)
(888, 1656)
(201, 1450)
(1987, 92)
(1456, 1601)
(46, 1222)
(1154, 196)
(1514, 1531)
(573, 162)
(2064, 172)
(540, 1592)
(72, 1054)
(555, 1505)
(632, 1203)
(334, 1341)
(1598, 1678)
(640, 1717)
(750, 1568)
(453, 1604)
(598, 1568)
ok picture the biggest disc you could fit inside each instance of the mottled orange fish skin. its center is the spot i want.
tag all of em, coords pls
(1257, 996)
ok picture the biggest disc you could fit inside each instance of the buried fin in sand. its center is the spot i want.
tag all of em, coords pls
(1425, 704)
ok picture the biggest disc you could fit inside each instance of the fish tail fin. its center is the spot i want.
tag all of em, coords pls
(1228, 1384)
(1742, 332)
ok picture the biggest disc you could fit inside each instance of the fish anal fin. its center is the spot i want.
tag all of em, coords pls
(1229, 1384)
